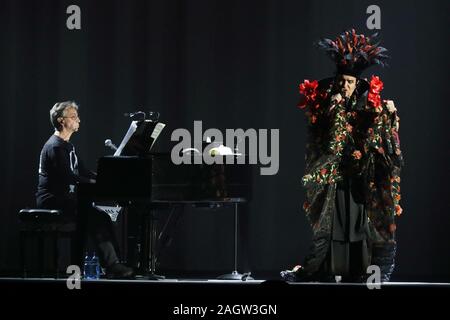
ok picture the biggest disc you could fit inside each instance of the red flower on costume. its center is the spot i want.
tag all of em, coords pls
(376, 85)
(357, 154)
(398, 210)
(374, 100)
(349, 127)
(309, 93)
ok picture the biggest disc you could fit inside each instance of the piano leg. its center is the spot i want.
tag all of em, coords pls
(149, 239)
(235, 275)
(153, 240)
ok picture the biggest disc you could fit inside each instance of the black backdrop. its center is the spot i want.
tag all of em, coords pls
(231, 64)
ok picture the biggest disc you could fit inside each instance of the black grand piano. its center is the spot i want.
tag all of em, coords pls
(144, 182)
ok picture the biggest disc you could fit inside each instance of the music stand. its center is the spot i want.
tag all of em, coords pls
(140, 138)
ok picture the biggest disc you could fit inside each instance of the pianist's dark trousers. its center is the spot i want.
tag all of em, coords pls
(93, 228)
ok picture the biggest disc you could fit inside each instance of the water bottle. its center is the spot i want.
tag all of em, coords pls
(91, 267)
(87, 267)
(95, 262)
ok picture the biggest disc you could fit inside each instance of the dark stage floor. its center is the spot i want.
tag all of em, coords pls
(201, 287)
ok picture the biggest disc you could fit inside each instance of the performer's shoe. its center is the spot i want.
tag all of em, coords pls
(288, 275)
(119, 271)
(297, 274)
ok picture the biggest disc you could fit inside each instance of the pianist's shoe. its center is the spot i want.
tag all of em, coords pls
(119, 271)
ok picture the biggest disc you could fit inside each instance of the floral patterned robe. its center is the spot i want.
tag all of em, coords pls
(363, 134)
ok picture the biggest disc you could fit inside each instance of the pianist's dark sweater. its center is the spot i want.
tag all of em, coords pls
(59, 172)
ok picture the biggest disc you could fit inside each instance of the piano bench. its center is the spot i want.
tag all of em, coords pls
(37, 225)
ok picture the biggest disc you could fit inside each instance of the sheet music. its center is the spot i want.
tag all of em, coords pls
(131, 130)
(158, 128)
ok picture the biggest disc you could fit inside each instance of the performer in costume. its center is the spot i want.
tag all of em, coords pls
(353, 162)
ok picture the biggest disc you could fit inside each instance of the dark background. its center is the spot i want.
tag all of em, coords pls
(231, 64)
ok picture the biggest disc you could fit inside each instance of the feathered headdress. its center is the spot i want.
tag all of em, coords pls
(352, 53)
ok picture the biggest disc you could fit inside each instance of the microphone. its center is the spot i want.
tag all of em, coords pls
(108, 143)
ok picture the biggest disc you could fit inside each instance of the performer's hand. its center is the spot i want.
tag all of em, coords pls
(390, 106)
(336, 99)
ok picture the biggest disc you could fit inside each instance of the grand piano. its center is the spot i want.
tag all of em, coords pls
(143, 183)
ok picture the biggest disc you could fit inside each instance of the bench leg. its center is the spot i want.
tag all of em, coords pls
(41, 259)
(56, 253)
(22, 240)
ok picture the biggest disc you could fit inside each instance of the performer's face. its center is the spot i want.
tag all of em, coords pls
(71, 120)
(347, 85)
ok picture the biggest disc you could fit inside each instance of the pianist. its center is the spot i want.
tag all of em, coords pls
(59, 172)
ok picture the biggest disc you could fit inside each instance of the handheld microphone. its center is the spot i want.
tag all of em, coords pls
(108, 143)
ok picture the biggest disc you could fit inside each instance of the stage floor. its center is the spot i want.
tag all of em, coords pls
(205, 286)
